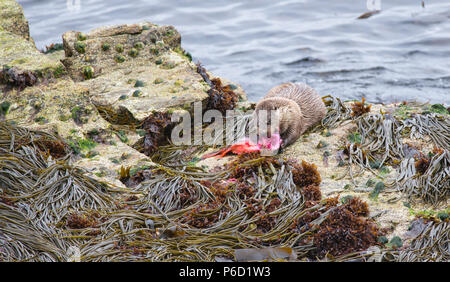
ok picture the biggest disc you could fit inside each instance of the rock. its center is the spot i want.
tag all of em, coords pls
(107, 80)
(21, 64)
(12, 19)
(127, 58)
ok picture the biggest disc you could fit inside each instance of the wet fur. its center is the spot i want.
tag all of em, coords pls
(299, 105)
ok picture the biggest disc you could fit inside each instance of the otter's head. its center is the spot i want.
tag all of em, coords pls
(275, 115)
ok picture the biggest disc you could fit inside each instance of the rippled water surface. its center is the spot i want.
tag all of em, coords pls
(402, 53)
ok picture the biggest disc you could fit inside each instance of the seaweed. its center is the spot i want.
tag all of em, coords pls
(305, 174)
(14, 77)
(336, 230)
(157, 127)
(53, 48)
(337, 112)
(221, 98)
(23, 241)
(358, 108)
(436, 127)
(430, 245)
(13, 138)
(425, 178)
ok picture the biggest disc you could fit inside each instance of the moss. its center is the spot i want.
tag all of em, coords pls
(86, 144)
(91, 154)
(403, 111)
(53, 48)
(158, 61)
(168, 65)
(135, 170)
(79, 115)
(123, 97)
(370, 182)
(183, 53)
(374, 164)
(41, 120)
(354, 138)
(382, 240)
(376, 191)
(322, 144)
(140, 132)
(439, 108)
(59, 71)
(64, 118)
(326, 133)
(395, 243)
(443, 215)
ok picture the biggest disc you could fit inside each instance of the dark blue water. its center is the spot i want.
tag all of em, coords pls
(399, 54)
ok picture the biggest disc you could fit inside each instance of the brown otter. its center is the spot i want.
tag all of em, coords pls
(299, 107)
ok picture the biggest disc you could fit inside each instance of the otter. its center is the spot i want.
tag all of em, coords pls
(299, 107)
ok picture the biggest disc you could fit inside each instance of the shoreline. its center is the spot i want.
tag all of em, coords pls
(102, 104)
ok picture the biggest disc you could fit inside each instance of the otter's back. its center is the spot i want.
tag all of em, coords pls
(311, 104)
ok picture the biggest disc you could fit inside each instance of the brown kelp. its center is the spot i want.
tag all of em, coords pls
(425, 178)
(21, 240)
(380, 137)
(337, 228)
(430, 245)
(40, 192)
(434, 126)
(379, 140)
(337, 113)
(221, 97)
(157, 127)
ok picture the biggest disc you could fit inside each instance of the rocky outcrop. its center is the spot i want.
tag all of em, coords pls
(97, 92)
(13, 19)
(99, 88)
